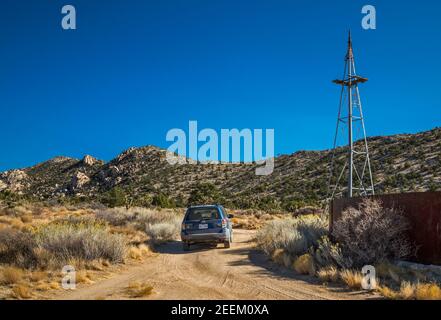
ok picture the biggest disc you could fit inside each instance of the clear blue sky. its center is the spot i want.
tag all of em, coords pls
(135, 69)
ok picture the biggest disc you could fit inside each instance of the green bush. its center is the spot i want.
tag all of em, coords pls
(204, 193)
(116, 197)
(163, 201)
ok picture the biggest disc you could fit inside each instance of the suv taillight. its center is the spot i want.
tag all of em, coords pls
(224, 223)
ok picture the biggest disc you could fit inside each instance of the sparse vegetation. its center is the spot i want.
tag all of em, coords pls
(139, 290)
(35, 243)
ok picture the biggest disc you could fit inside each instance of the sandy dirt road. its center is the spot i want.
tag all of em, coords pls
(240, 272)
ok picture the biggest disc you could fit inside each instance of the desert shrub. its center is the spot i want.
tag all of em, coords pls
(164, 231)
(328, 254)
(372, 233)
(163, 201)
(85, 241)
(116, 197)
(294, 235)
(17, 248)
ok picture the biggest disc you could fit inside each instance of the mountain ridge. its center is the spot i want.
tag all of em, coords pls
(401, 163)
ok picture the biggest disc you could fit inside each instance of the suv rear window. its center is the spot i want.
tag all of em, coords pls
(203, 214)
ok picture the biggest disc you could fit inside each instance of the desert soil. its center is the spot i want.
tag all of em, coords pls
(240, 272)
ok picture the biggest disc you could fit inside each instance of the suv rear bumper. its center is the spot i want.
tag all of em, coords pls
(205, 237)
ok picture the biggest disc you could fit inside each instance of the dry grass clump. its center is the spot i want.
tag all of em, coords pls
(83, 277)
(428, 291)
(26, 219)
(409, 291)
(372, 233)
(294, 235)
(352, 278)
(304, 264)
(387, 292)
(11, 275)
(139, 290)
(37, 276)
(21, 291)
(139, 252)
(329, 274)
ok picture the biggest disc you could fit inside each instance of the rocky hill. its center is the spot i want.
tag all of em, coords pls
(401, 163)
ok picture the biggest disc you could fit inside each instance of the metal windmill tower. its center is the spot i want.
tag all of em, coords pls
(350, 120)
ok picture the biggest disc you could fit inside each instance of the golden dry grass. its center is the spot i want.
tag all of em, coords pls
(21, 291)
(139, 290)
(135, 253)
(83, 277)
(428, 291)
(409, 291)
(37, 276)
(11, 275)
(329, 274)
(304, 264)
(26, 219)
(352, 279)
(54, 285)
(387, 292)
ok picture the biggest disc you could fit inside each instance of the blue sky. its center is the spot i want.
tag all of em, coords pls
(135, 69)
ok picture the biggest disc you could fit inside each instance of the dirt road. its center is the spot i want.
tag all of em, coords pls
(240, 272)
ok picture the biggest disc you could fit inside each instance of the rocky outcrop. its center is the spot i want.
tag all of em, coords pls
(79, 180)
(14, 180)
(90, 161)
